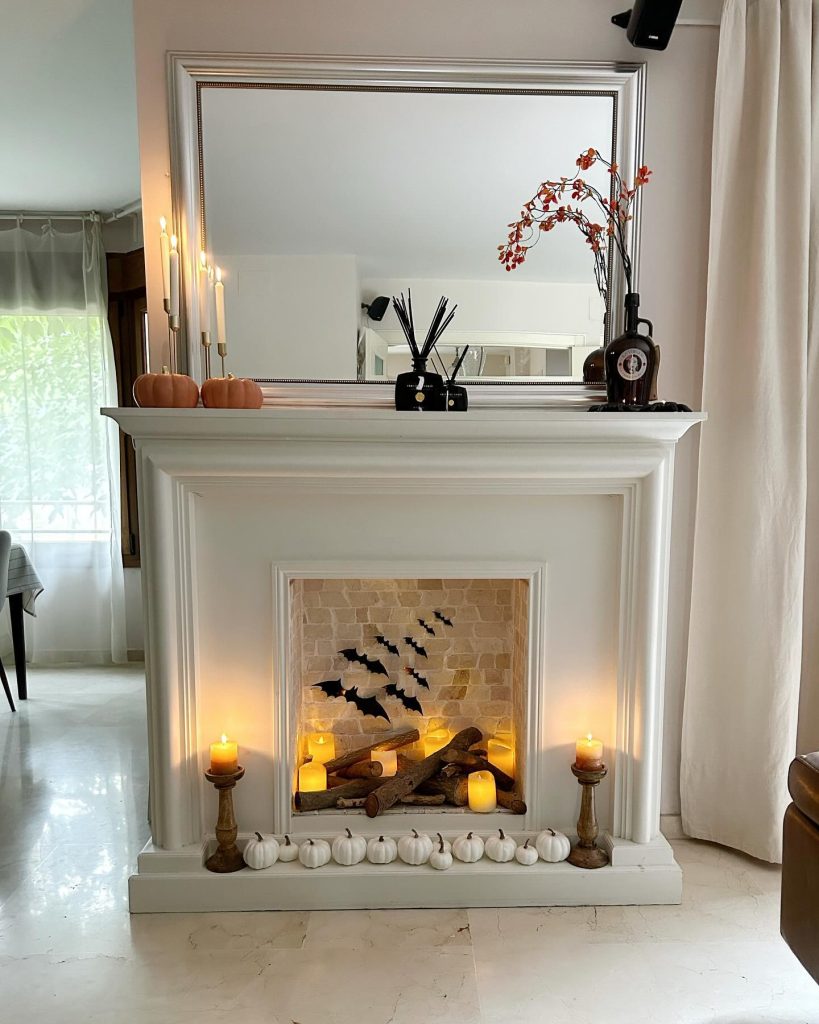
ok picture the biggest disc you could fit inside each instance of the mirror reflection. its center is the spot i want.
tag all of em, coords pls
(320, 205)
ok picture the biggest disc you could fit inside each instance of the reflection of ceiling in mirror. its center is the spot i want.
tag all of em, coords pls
(412, 184)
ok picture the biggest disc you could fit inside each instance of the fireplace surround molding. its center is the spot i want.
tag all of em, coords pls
(184, 456)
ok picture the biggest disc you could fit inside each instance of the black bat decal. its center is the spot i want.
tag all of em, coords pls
(366, 705)
(427, 627)
(371, 664)
(417, 677)
(442, 618)
(415, 646)
(410, 703)
(385, 643)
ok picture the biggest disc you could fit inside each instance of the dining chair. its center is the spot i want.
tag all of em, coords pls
(5, 551)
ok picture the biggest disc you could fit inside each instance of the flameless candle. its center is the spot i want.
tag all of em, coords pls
(173, 266)
(502, 755)
(224, 757)
(204, 293)
(165, 251)
(481, 792)
(388, 760)
(589, 752)
(321, 746)
(312, 777)
(435, 739)
(219, 293)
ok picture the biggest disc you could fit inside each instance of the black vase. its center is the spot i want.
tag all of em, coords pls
(631, 361)
(419, 391)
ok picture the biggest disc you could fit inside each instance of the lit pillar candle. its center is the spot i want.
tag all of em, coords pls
(502, 755)
(435, 739)
(165, 251)
(173, 271)
(321, 746)
(204, 293)
(481, 792)
(312, 777)
(219, 293)
(388, 759)
(589, 752)
(224, 756)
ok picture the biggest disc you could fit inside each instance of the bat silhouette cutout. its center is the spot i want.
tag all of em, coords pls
(426, 626)
(421, 680)
(415, 646)
(371, 664)
(385, 643)
(366, 705)
(410, 703)
(442, 618)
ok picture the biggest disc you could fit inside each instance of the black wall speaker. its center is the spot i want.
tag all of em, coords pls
(377, 308)
(649, 23)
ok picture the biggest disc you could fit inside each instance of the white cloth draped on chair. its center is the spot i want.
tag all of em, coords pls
(748, 616)
(59, 459)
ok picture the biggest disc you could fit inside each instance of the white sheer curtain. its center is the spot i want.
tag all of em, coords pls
(748, 616)
(59, 459)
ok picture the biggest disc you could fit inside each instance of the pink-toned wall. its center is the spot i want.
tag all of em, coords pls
(678, 142)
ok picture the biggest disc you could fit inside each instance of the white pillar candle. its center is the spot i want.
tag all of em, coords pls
(321, 746)
(165, 251)
(219, 293)
(501, 755)
(589, 752)
(204, 293)
(312, 777)
(481, 792)
(435, 739)
(388, 760)
(174, 278)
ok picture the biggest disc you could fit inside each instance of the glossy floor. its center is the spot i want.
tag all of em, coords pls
(73, 796)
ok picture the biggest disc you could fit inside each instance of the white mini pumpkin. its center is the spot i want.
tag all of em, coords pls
(261, 852)
(446, 842)
(415, 848)
(382, 850)
(526, 854)
(468, 848)
(441, 857)
(314, 853)
(288, 850)
(500, 848)
(552, 846)
(349, 849)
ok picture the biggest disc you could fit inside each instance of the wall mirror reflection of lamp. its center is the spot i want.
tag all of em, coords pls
(318, 230)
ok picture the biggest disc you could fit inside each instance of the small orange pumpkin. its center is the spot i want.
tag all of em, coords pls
(231, 393)
(166, 391)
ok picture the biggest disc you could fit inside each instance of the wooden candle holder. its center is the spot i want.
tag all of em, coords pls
(587, 854)
(227, 856)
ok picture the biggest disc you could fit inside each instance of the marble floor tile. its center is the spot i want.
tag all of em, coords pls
(73, 797)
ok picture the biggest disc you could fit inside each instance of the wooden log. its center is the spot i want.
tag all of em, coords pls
(421, 800)
(361, 770)
(391, 791)
(467, 759)
(327, 797)
(511, 802)
(455, 789)
(350, 803)
(400, 739)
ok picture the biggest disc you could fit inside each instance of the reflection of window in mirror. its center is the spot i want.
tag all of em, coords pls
(309, 255)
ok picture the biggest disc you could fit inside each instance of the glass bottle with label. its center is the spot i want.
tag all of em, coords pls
(631, 360)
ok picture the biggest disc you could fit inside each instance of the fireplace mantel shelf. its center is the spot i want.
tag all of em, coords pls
(381, 425)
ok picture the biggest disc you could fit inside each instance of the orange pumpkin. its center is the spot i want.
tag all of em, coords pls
(166, 391)
(231, 393)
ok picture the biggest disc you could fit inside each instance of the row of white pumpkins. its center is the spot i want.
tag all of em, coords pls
(416, 848)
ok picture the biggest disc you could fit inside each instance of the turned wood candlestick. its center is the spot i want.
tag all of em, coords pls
(227, 856)
(587, 854)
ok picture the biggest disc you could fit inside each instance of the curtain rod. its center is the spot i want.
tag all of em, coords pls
(106, 218)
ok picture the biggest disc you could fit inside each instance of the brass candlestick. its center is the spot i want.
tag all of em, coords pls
(587, 854)
(227, 856)
(206, 347)
(221, 348)
(173, 336)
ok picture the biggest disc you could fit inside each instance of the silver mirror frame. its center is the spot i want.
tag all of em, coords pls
(189, 73)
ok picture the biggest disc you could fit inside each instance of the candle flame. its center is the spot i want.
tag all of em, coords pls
(218, 273)
(224, 738)
(588, 737)
(173, 241)
(162, 223)
(203, 259)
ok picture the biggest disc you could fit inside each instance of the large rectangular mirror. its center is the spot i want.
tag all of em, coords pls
(324, 188)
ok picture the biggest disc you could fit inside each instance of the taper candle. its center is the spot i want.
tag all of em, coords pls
(219, 293)
(588, 752)
(204, 293)
(173, 270)
(481, 792)
(224, 757)
(165, 251)
(312, 777)
(321, 746)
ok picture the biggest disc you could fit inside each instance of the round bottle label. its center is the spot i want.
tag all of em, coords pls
(632, 364)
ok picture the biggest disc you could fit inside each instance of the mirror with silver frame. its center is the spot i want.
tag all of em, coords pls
(322, 188)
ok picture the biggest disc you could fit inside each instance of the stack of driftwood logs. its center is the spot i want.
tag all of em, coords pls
(354, 780)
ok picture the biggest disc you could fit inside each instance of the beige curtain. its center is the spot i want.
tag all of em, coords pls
(748, 616)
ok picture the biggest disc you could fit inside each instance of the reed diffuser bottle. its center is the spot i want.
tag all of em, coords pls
(631, 360)
(418, 389)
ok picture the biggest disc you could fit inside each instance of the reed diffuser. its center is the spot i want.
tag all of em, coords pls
(456, 395)
(418, 389)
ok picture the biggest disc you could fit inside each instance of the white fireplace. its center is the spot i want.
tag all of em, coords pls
(244, 513)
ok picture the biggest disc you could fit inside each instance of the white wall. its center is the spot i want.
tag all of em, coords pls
(675, 207)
